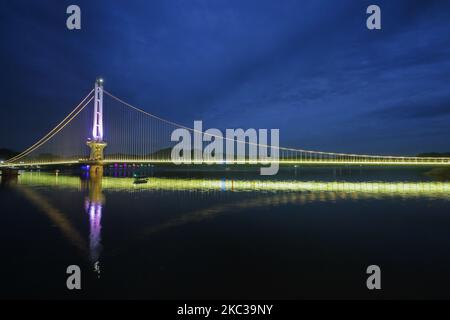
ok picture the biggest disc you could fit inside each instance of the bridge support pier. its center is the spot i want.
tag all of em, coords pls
(96, 149)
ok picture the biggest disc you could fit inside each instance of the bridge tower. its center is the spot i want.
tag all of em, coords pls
(96, 144)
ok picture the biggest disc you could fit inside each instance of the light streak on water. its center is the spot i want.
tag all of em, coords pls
(375, 188)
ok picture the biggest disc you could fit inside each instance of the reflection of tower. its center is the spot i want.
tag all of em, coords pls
(96, 144)
(94, 205)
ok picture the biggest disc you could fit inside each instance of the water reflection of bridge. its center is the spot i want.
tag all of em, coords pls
(363, 189)
(261, 193)
(93, 206)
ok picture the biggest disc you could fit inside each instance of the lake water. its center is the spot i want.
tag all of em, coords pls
(307, 233)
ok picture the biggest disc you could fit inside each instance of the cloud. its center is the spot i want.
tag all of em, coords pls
(433, 107)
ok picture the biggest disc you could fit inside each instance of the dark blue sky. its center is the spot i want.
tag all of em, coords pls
(310, 68)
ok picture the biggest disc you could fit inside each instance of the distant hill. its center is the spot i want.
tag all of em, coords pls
(5, 154)
(434, 155)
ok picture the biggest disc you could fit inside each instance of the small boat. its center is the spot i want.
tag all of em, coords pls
(140, 180)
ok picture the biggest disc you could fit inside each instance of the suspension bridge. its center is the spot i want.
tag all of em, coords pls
(124, 134)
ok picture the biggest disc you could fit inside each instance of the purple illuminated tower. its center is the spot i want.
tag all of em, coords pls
(97, 128)
(96, 144)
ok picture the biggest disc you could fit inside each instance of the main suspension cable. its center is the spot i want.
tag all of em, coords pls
(80, 107)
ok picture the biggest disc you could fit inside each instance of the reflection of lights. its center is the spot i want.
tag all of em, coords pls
(95, 216)
(223, 185)
(56, 216)
(86, 205)
(434, 189)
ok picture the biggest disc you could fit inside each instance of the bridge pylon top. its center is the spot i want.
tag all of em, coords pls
(99, 81)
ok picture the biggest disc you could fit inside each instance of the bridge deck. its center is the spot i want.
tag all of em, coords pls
(421, 162)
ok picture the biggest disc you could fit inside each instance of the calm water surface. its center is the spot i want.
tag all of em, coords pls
(307, 233)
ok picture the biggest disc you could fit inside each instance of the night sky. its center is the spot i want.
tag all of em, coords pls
(310, 68)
